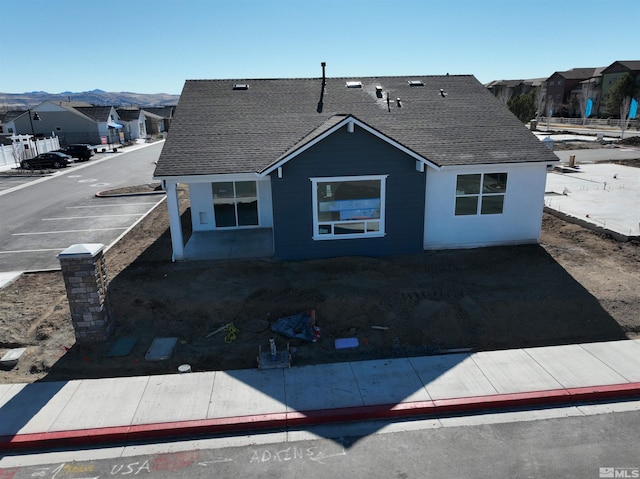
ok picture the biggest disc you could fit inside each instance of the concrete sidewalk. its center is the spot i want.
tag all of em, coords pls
(117, 410)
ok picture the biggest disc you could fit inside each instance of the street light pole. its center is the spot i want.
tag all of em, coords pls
(33, 133)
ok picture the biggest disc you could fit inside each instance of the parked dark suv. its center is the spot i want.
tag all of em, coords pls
(53, 159)
(81, 151)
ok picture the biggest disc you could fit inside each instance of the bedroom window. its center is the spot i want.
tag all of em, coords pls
(348, 207)
(481, 193)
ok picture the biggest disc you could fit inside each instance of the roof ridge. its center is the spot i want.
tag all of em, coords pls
(351, 77)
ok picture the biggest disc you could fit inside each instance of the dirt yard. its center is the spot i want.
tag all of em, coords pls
(576, 286)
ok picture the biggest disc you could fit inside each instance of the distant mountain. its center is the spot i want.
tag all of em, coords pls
(22, 101)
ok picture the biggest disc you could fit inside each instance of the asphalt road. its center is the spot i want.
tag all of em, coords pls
(573, 442)
(42, 217)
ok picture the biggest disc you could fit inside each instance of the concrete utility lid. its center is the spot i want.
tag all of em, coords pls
(122, 346)
(85, 249)
(161, 349)
(11, 357)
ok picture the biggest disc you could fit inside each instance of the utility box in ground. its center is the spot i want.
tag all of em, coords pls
(86, 282)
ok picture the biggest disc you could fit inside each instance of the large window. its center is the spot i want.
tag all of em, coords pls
(480, 194)
(235, 204)
(348, 207)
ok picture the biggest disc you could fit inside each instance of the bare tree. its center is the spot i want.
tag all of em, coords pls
(624, 115)
(540, 98)
(18, 152)
(583, 101)
(504, 95)
(549, 111)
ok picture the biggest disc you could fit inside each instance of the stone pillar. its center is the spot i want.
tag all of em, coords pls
(85, 278)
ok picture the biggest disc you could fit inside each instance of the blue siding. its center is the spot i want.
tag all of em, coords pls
(348, 154)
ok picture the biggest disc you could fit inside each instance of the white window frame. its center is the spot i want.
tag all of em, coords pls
(235, 205)
(332, 236)
(481, 195)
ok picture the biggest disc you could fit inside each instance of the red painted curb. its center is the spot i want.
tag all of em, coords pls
(359, 413)
(502, 401)
(84, 437)
(589, 393)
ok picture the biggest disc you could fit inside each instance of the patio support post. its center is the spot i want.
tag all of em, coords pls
(177, 242)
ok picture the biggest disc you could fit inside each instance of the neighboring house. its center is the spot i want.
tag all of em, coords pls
(107, 124)
(353, 166)
(133, 121)
(571, 93)
(588, 95)
(140, 123)
(504, 90)
(561, 86)
(71, 122)
(9, 122)
(611, 75)
(154, 124)
(79, 122)
(24, 128)
(166, 115)
(45, 120)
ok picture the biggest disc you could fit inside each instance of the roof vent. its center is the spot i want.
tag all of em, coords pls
(399, 102)
(443, 93)
(241, 86)
(415, 83)
(354, 84)
(379, 91)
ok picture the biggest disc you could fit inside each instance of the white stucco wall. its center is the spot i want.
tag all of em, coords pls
(201, 200)
(519, 223)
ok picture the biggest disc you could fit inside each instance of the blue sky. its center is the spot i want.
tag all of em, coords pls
(153, 46)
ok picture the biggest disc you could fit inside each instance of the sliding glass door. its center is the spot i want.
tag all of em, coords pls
(235, 204)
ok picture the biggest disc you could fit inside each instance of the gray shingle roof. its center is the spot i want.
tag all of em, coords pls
(578, 73)
(126, 114)
(218, 130)
(96, 113)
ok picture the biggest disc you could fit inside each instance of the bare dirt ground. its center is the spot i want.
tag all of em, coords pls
(576, 286)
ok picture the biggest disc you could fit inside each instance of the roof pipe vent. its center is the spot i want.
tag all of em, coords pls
(399, 102)
(379, 91)
(443, 93)
(322, 88)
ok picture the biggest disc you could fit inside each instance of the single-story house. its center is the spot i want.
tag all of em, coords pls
(133, 123)
(353, 166)
(71, 122)
(160, 124)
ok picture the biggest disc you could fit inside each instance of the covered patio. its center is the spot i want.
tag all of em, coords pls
(229, 244)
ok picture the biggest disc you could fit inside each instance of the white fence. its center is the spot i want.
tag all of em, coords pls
(25, 147)
(604, 122)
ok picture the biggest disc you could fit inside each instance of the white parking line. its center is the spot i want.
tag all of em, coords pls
(31, 250)
(94, 216)
(120, 205)
(67, 231)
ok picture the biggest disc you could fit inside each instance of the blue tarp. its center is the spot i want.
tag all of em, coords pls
(300, 326)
